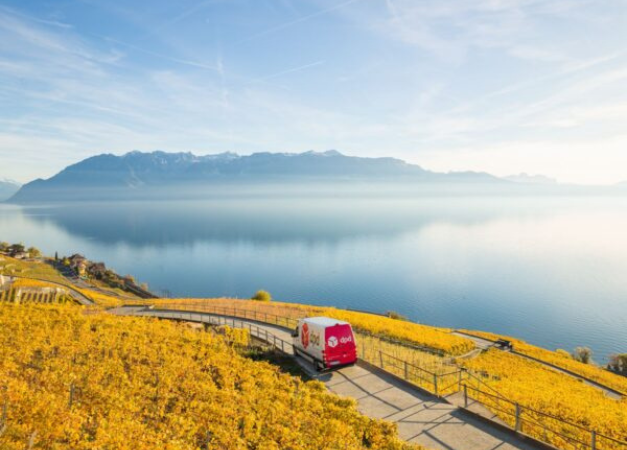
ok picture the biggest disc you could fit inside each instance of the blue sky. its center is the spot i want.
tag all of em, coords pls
(503, 86)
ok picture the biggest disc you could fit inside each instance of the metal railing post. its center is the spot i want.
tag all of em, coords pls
(459, 381)
(593, 440)
(518, 423)
(435, 384)
(465, 396)
(381, 359)
(406, 371)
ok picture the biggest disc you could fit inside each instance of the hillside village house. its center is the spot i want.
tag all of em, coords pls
(20, 255)
(78, 263)
(97, 270)
(17, 251)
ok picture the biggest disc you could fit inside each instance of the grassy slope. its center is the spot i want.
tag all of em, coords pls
(33, 269)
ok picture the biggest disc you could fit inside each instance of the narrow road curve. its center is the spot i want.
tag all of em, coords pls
(484, 344)
(421, 418)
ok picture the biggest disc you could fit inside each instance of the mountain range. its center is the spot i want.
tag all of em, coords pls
(138, 174)
(8, 188)
(531, 179)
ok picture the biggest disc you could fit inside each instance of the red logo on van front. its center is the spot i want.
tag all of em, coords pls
(304, 338)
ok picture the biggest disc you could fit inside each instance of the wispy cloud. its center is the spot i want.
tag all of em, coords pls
(290, 70)
(450, 85)
(54, 23)
(296, 21)
(186, 62)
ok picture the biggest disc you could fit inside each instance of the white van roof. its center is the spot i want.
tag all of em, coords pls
(324, 321)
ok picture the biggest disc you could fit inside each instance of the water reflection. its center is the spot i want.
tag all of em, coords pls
(550, 270)
(268, 221)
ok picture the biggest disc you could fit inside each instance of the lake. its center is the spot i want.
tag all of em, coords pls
(550, 270)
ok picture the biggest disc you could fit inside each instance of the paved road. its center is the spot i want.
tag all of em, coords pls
(420, 417)
(485, 343)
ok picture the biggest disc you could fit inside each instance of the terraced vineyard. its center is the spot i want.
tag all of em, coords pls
(590, 371)
(70, 380)
(26, 290)
(551, 400)
(578, 406)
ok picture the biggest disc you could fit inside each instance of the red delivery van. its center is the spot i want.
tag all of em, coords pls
(326, 343)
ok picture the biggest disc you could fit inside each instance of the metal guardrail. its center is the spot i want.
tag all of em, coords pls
(255, 331)
(255, 315)
(539, 425)
(523, 420)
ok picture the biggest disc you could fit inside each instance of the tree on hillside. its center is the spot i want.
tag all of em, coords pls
(583, 354)
(34, 252)
(262, 296)
(17, 248)
(4, 247)
(395, 315)
(618, 364)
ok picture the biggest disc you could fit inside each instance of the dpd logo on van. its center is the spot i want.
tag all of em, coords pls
(304, 338)
(332, 342)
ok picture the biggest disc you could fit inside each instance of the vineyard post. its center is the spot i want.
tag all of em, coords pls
(593, 441)
(31, 440)
(518, 423)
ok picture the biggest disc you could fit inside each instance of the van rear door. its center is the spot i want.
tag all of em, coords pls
(340, 347)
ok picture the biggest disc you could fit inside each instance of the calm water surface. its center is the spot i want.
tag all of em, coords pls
(552, 270)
